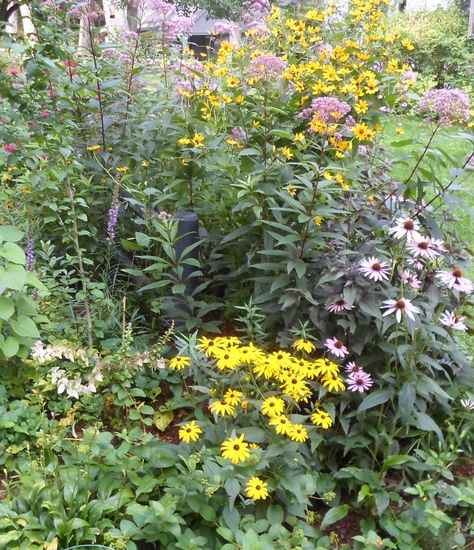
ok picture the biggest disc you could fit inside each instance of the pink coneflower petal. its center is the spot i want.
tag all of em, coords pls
(339, 305)
(402, 305)
(359, 381)
(449, 319)
(454, 279)
(405, 228)
(352, 368)
(336, 347)
(410, 278)
(423, 247)
(375, 269)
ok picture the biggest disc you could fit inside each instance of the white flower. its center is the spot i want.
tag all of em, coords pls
(402, 305)
(374, 269)
(467, 404)
(405, 227)
(454, 279)
(449, 319)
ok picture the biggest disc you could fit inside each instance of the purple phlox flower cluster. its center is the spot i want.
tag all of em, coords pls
(448, 106)
(117, 54)
(30, 253)
(326, 109)
(255, 9)
(267, 66)
(358, 379)
(113, 217)
(224, 28)
(238, 133)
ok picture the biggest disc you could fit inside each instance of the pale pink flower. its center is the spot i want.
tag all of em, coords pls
(352, 368)
(410, 278)
(405, 227)
(402, 305)
(336, 347)
(10, 148)
(449, 319)
(374, 269)
(454, 279)
(415, 263)
(359, 381)
(339, 305)
(423, 247)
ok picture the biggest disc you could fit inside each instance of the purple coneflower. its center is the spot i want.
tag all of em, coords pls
(352, 368)
(374, 269)
(336, 347)
(410, 278)
(402, 305)
(359, 381)
(449, 319)
(339, 305)
(405, 227)
(454, 279)
(423, 247)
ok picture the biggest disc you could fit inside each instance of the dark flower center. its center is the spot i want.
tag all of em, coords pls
(279, 356)
(282, 421)
(457, 273)
(294, 381)
(376, 266)
(271, 404)
(400, 304)
(423, 245)
(409, 225)
(258, 487)
(188, 430)
(338, 344)
(340, 302)
(236, 447)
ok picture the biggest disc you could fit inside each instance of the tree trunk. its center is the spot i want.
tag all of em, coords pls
(116, 20)
(29, 29)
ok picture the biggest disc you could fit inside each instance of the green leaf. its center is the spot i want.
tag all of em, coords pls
(382, 500)
(7, 308)
(374, 399)
(13, 253)
(334, 515)
(10, 234)
(162, 419)
(13, 277)
(10, 346)
(24, 326)
(142, 239)
(425, 422)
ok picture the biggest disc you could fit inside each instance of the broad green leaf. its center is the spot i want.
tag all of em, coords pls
(7, 308)
(24, 326)
(374, 399)
(13, 253)
(334, 515)
(10, 346)
(10, 234)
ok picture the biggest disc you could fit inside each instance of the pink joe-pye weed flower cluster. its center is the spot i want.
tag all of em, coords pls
(267, 66)
(326, 109)
(446, 105)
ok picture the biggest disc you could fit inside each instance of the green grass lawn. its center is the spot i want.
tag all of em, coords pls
(456, 147)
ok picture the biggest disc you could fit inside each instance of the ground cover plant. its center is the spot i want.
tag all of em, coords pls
(296, 372)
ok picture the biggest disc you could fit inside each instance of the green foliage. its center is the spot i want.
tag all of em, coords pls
(442, 52)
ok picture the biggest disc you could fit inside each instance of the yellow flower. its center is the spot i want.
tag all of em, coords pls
(198, 140)
(233, 142)
(184, 141)
(282, 424)
(255, 123)
(256, 489)
(287, 153)
(304, 345)
(232, 81)
(325, 367)
(189, 432)
(179, 362)
(298, 433)
(123, 169)
(321, 418)
(228, 358)
(184, 162)
(332, 382)
(244, 404)
(207, 345)
(235, 449)
(318, 220)
(360, 131)
(299, 136)
(233, 397)
(408, 44)
(93, 148)
(362, 107)
(239, 99)
(221, 407)
(400, 130)
(145, 164)
(273, 406)
(292, 191)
